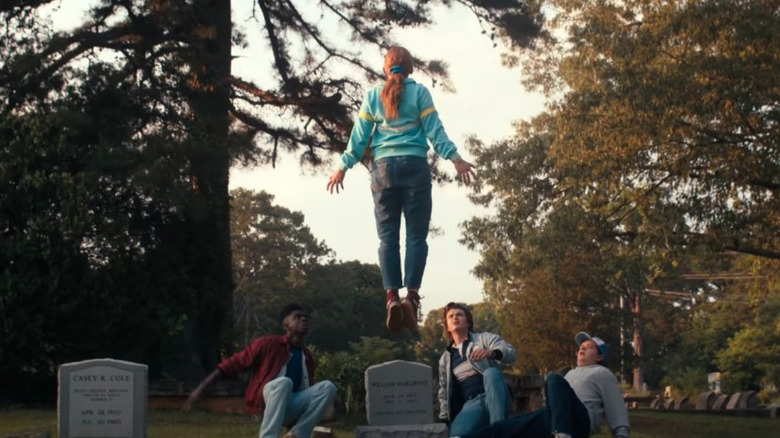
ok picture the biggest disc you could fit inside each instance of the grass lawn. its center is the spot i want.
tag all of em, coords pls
(176, 424)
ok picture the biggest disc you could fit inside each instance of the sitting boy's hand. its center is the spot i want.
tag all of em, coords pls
(479, 354)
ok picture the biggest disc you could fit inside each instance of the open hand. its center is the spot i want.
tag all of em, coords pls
(465, 170)
(191, 401)
(336, 181)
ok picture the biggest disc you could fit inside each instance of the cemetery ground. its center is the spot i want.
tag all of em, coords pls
(201, 424)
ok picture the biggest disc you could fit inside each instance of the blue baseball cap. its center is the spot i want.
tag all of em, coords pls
(602, 346)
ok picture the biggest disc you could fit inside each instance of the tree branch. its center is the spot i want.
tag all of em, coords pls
(270, 98)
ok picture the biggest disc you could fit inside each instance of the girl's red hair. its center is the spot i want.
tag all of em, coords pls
(394, 86)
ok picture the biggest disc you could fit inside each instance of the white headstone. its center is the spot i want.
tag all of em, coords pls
(103, 398)
(399, 393)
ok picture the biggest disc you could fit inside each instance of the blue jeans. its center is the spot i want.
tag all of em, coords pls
(487, 408)
(402, 185)
(564, 413)
(301, 410)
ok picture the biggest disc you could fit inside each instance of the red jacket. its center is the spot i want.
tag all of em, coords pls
(265, 357)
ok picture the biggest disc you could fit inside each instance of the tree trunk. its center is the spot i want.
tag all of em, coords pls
(639, 378)
(208, 213)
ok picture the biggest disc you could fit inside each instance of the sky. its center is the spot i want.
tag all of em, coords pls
(488, 98)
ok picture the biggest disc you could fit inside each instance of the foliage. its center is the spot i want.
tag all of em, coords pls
(346, 303)
(543, 275)
(662, 116)
(751, 359)
(81, 254)
(686, 382)
(433, 340)
(273, 254)
(734, 331)
(346, 370)
(658, 147)
(485, 318)
(277, 261)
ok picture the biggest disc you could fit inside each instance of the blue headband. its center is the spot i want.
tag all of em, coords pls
(396, 69)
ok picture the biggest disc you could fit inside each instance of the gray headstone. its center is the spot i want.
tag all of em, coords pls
(399, 393)
(705, 400)
(681, 404)
(747, 400)
(102, 398)
(433, 430)
(774, 410)
(733, 401)
(720, 402)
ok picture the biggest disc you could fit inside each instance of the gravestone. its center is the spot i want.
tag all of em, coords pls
(747, 400)
(681, 404)
(705, 400)
(668, 404)
(720, 402)
(657, 404)
(733, 401)
(774, 410)
(399, 402)
(399, 392)
(102, 398)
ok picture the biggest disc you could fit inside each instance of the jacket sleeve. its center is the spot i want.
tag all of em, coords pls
(615, 409)
(433, 128)
(444, 405)
(496, 342)
(244, 359)
(362, 130)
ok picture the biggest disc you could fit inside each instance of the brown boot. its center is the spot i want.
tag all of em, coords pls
(395, 316)
(411, 308)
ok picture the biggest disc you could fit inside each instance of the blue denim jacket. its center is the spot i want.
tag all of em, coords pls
(484, 340)
(418, 121)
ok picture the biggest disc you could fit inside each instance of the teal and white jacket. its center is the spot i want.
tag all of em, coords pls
(408, 135)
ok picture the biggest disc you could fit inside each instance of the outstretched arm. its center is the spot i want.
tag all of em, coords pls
(197, 393)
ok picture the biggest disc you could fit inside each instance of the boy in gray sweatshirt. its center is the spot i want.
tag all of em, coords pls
(577, 403)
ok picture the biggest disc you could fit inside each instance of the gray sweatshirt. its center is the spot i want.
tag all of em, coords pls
(598, 389)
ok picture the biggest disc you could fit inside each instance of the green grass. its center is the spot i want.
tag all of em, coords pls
(176, 424)
(160, 424)
(653, 424)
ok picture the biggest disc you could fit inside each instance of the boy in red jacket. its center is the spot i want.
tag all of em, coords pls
(281, 387)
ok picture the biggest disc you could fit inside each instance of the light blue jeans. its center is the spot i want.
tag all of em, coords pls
(301, 410)
(487, 408)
